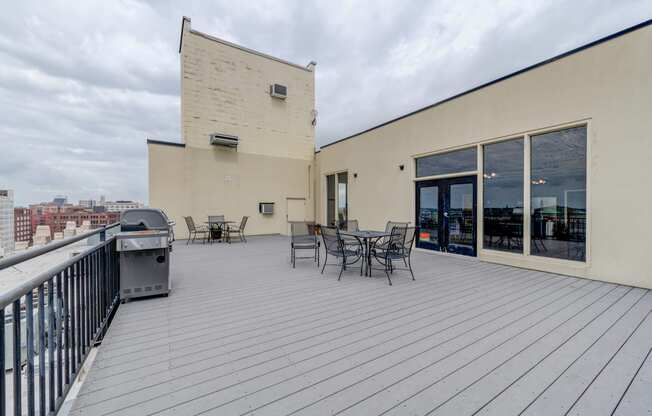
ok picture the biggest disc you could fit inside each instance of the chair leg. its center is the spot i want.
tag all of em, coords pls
(388, 279)
(325, 260)
(294, 258)
(342, 269)
(410, 267)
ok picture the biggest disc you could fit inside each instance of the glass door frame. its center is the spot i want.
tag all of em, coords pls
(336, 177)
(443, 202)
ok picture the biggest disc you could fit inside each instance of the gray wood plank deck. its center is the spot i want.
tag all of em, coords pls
(244, 333)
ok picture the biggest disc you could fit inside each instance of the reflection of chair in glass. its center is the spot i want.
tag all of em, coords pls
(538, 233)
(399, 247)
(345, 254)
(303, 237)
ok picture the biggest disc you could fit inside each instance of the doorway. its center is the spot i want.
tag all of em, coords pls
(337, 205)
(446, 215)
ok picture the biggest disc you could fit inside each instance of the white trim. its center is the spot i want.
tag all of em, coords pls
(527, 198)
(446, 176)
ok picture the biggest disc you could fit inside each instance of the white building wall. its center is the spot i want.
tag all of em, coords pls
(6, 221)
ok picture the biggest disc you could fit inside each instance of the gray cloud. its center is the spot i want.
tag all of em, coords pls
(83, 84)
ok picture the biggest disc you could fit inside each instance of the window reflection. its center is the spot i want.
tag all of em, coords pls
(558, 194)
(342, 204)
(503, 196)
(429, 214)
(444, 163)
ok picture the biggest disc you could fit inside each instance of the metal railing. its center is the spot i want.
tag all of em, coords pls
(66, 311)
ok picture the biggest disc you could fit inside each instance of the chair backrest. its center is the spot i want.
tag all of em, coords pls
(408, 239)
(391, 224)
(332, 241)
(243, 223)
(352, 225)
(301, 231)
(215, 218)
(190, 223)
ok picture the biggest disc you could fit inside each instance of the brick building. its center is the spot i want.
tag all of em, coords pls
(57, 220)
(22, 224)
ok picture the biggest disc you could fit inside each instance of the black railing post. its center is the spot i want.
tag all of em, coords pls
(58, 345)
(17, 358)
(41, 349)
(3, 387)
(51, 342)
(29, 310)
(66, 327)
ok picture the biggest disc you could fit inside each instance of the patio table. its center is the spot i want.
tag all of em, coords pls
(367, 236)
(222, 224)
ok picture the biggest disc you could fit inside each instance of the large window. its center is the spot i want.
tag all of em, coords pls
(464, 160)
(558, 194)
(503, 196)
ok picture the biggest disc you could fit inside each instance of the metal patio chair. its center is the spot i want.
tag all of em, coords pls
(382, 243)
(193, 230)
(237, 231)
(345, 254)
(399, 247)
(303, 237)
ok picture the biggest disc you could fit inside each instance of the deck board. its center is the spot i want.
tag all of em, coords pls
(244, 333)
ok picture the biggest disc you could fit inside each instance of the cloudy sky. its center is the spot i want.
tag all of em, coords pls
(83, 84)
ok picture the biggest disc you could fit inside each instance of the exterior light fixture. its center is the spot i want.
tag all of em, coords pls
(401, 167)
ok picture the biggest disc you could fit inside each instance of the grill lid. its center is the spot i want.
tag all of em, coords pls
(143, 219)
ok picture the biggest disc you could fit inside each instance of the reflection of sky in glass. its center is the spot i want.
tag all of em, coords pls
(458, 161)
(341, 197)
(503, 174)
(559, 167)
(429, 197)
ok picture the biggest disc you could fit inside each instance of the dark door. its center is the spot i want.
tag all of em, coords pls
(446, 215)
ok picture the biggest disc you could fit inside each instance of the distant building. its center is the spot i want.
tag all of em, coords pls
(58, 221)
(60, 200)
(6, 221)
(119, 206)
(87, 203)
(22, 224)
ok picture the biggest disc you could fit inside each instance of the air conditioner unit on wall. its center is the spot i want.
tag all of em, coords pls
(266, 208)
(278, 91)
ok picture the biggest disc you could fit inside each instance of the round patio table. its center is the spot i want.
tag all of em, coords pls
(367, 236)
(218, 234)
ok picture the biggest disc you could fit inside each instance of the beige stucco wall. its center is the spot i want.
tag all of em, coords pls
(608, 86)
(225, 89)
(200, 182)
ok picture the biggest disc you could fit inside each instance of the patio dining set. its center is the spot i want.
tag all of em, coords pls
(216, 228)
(352, 248)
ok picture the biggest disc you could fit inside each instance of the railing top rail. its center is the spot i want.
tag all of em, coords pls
(8, 297)
(55, 245)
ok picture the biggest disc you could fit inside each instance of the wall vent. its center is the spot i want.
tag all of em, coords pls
(266, 208)
(278, 91)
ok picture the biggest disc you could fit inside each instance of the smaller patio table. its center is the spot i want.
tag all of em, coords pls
(367, 237)
(222, 224)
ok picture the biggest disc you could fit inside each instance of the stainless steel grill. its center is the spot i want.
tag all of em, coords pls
(144, 244)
